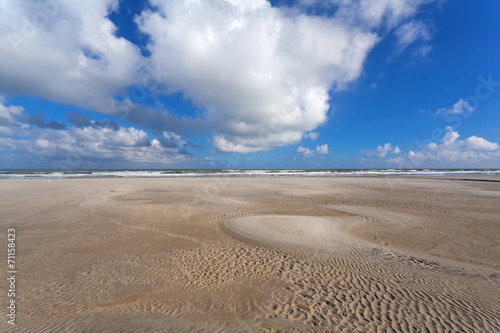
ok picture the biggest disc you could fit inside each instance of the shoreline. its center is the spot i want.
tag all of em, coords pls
(240, 173)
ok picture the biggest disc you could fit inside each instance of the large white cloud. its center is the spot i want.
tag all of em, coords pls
(262, 73)
(65, 51)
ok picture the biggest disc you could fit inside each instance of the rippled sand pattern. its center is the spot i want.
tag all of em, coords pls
(257, 255)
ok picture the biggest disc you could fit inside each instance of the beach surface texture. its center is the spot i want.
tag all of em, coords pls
(346, 254)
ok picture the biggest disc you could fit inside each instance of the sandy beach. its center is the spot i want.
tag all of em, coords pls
(367, 254)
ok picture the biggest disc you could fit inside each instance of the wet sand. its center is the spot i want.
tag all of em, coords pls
(254, 254)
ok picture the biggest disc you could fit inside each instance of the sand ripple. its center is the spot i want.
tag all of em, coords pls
(344, 284)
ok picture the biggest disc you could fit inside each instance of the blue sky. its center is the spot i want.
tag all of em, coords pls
(250, 84)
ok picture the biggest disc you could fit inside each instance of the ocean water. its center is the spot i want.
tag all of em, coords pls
(177, 173)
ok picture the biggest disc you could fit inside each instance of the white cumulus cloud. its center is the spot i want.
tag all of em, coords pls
(7, 114)
(65, 51)
(261, 73)
(320, 150)
(473, 151)
(382, 151)
(460, 108)
(476, 143)
(103, 141)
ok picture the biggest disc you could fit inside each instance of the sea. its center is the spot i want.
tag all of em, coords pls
(192, 173)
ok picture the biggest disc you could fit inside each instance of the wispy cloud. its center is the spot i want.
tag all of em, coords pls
(411, 32)
(371, 13)
(311, 135)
